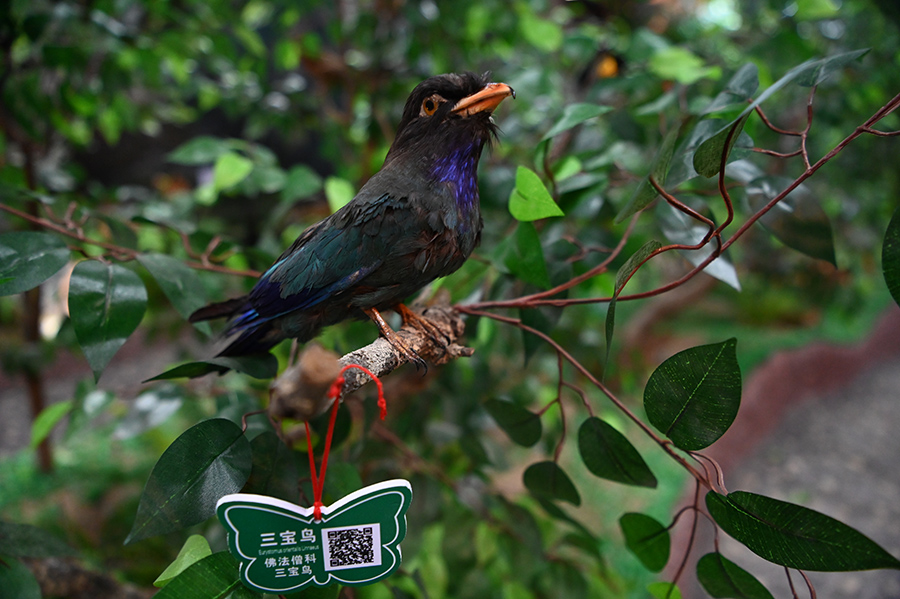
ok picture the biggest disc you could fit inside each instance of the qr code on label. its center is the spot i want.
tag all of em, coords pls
(352, 547)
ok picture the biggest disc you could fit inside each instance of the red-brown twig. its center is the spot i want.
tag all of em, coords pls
(120, 252)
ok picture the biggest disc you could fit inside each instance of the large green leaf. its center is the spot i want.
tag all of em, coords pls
(794, 536)
(694, 396)
(209, 460)
(573, 115)
(647, 539)
(24, 540)
(230, 169)
(683, 161)
(723, 579)
(890, 256)
(17, 581)
(199, 151)
(215, 576)
(259, 366)
(740, 88)
(525, 258)
(180, 284)
(106, 304)
(708, 156)
(274, 470)
(28, 258)
(47, 420)
(798, 220)
(522, 426)
(301, 182)
(608, 454)
(530, 200)
(623, 275)
(195, 548)
(546, 480)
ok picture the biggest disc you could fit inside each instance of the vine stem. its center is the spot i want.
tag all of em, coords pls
(561, 351)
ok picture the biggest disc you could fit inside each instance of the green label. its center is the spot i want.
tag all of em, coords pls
(283, 549)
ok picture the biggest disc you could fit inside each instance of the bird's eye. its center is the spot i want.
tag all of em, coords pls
(430, 105)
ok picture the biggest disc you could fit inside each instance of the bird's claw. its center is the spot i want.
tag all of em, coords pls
(434, 333)
(396, 342)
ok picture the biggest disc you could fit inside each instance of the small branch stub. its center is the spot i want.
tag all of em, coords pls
(301, 392)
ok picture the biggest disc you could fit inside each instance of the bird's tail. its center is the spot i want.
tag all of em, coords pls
(246, 333)
(225, 309)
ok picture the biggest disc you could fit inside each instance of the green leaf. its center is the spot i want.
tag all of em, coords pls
(199, 151)
(634, 261)
(17, 581)
(622, 276)
(708, 157)
(645, 192)
(195, 548)
(180, 284)
(274, 470)
(740, 88)
(338, 192)
(106, 305)
(526, 258)
(259, 366)
(230, 169)
(28, 258)
(47, 419)
(723, 579)
(664, 590)
(24, 540)
(694, 396)
(522, 426)
(682, 168)
(608, 454)
(798, 220)
(647, 539)
(890, 256)
(680, 64)
(794, 536)
(573, 115)
(216, 575)
(209, 460)
(530, 199)
(301, 182)
(821, 70)
(546, 480)
(543, 34)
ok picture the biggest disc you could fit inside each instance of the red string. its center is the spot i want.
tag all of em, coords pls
(334, 392)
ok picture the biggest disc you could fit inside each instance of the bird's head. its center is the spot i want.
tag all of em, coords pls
(448, 114)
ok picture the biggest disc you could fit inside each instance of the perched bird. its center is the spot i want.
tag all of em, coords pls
(415, 220)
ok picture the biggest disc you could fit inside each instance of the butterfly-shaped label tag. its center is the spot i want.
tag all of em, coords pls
(283, 549)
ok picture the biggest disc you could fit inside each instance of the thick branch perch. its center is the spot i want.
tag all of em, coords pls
(301, 391)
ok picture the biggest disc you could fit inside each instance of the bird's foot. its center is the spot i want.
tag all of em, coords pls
(396, 342)
(434, 334)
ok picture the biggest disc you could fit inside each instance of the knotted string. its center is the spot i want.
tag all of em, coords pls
(334, 392)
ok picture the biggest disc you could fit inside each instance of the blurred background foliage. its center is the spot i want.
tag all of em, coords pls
(214, 132)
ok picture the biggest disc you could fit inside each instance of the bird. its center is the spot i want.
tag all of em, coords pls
(415, 220)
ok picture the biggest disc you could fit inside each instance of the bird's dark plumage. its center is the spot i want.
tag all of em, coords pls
(415, 220)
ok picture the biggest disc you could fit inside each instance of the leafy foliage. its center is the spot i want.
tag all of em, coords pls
(254, 120)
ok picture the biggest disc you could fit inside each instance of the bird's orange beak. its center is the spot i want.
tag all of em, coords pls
(484, 100)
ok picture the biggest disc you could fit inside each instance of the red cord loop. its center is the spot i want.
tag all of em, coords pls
(334, 392)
